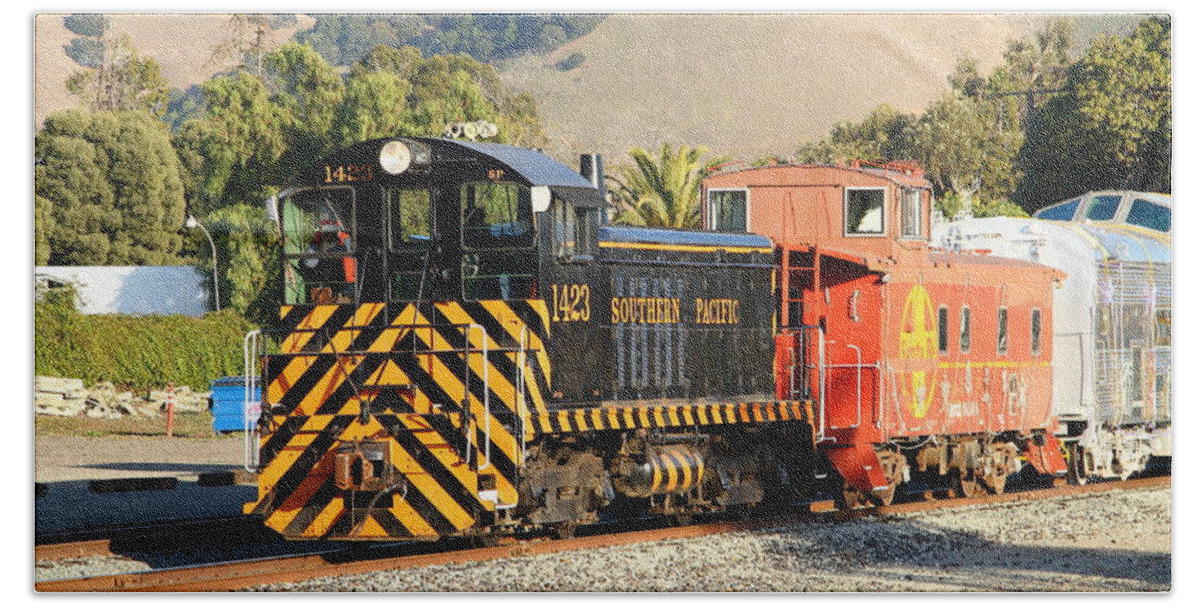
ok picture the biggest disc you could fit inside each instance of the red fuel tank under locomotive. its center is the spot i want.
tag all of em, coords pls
(920, 362)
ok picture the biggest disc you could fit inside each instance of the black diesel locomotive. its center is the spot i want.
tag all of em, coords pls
(465, 347)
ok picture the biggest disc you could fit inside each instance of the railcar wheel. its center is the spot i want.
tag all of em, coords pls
(1077, 466)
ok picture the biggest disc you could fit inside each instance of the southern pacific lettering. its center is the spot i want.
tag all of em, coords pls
(645, 310)
(716, 311)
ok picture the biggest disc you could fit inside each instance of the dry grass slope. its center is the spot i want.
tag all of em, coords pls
(744, 85)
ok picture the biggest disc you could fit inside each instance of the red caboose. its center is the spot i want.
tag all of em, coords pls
(920, 363)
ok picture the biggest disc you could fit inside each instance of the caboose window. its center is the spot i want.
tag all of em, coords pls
(910, 218)
(496, 215)
(318, 245)
(727, 210)
(410, 217)
(864, 211)
(964, 331)
(943, 330)
(1002, 331)
(1035, 330)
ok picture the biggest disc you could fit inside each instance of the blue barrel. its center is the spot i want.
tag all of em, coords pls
(228, 411)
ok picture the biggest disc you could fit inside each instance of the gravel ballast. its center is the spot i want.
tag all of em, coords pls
(1109, 542)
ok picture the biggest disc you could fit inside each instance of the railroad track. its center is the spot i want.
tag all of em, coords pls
(119, 540)
(232, 576)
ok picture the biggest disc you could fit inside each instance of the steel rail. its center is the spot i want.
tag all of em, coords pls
(240, 575)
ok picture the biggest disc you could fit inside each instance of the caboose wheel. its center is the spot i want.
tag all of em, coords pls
(970, 487)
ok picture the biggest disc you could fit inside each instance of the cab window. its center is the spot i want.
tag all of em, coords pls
(496, 215)
(318, 245)
(410, 212)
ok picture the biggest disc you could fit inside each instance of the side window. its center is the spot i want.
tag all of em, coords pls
(410, 217)
(1103, 207)
(1063, 212)
(943, 329)
(1002, 331)
(1149, 215)
(964, 331)
(1162, 327)
(864, 211)
(1035, 331)
(496, 215)
(727, 210)
(910, 214)
(565, 228)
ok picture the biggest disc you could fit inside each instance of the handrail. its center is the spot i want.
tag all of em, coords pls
(251, 400)
(522, 406)
(487, 404)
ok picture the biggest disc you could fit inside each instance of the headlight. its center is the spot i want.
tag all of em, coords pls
(395, 157)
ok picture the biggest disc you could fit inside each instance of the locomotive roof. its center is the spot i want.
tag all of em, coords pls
(539, 169)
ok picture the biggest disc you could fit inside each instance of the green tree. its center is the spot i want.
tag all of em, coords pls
(663, 191)
(375, 105)
(885, 134)
(246, 247)
(113, 182)
(232, 151)
(124, 81)
(1111, 127)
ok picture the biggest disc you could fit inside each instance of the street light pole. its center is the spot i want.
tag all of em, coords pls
(192, 222)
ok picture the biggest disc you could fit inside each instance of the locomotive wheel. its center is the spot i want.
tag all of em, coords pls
(564, 531)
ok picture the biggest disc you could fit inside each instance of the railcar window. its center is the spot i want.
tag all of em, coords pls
(964, 331)
(1162, 327)
(1149, 215)
(1035, 330)
(1002, 331)
(864, 211)
(496, 215)
(727, 210)
(411, 212)
(910, 219)
(1063, 212)
(943, 330)
(1103, 207)
(318, 245)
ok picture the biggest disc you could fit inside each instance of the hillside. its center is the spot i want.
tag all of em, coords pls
(748, 85)
(182, 45)
(743, 85)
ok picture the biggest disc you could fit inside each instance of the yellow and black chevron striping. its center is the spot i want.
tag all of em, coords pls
(417, 379)
(451, 417)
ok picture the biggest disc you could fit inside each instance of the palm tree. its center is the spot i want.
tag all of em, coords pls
(662, 192)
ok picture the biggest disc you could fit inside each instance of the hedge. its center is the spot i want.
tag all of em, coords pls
(139, 352)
